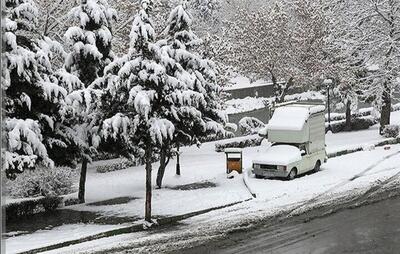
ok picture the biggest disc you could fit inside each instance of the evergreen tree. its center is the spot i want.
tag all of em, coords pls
(32, 96)
(204, 119)
(138, 93)
(90, 52)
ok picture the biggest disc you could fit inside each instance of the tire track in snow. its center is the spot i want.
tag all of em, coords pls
(362, 173)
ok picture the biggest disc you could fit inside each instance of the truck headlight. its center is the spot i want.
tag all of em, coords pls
(281, 168)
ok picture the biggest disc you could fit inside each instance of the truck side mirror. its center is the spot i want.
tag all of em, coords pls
(303, 152)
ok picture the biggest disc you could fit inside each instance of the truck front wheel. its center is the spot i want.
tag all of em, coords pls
(317, 166)
(292, 174)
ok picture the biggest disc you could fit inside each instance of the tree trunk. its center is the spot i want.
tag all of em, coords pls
(348, 116)
(386, 108)
(82, 181)
(147, 213)
(161, 168)
(178, 165)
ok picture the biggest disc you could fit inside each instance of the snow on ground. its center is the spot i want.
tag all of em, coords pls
(205, 165)
(44, 238)
(235, 106)
(273, 196)
(240, 82)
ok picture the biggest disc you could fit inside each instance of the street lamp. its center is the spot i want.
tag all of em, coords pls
(328, 84)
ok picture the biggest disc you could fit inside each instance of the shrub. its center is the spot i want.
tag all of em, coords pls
(116, 165)
(42, 182)
(248, 142)
(356, 124)
(123, 163)
(26, 208)
(391, 131)
(250, 125)
(51, 203)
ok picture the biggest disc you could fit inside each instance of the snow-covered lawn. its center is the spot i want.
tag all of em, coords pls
(345, 175)
(204, 165)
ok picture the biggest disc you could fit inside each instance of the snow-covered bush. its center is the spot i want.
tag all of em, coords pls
(42, 182)
(242, 143)
(356, 124)
(117, 165)
(391, 131)
(250, 125)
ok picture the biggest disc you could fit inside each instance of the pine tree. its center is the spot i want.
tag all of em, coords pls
(90, 52)
(136, 85)
(203, 119)
(33, 97)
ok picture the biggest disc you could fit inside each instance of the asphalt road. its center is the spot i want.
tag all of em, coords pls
(374, 228)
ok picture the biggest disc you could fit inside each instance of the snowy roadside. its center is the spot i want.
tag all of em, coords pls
(343, 178)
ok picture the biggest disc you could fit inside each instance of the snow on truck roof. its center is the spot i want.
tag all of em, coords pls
(293, 117)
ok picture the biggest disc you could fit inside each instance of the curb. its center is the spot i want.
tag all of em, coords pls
(130, 229)
(246, 173)
(391, 141)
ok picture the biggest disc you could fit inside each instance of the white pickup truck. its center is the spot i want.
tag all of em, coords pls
(297, 134)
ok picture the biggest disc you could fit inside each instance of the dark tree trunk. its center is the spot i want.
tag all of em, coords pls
(386, 108)
(161, 168)
(82, 181)
(147, 213)
(178, 165)
(348, 116)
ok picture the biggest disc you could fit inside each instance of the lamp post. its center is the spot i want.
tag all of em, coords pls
(328, 84)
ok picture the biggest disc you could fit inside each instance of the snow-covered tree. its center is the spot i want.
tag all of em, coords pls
(90, 43)
(282, 42)
(32, 95)
(376, 29)
(136, 87)
(202, 118)
(367, 33)
(343, 69)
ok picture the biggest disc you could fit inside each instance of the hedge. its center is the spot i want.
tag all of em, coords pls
(248, 142)
(356, 124)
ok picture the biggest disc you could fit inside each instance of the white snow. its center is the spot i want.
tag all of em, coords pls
(241, 82)
(204, 164)
(44, 238)
(234, 106)
(367, 168)
(288, 118)
(279, 155)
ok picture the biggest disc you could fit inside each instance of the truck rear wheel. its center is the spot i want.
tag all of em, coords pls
(292, 174)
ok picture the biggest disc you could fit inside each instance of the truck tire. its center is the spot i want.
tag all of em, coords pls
(292, 174)
(317, 166)
(259, 176)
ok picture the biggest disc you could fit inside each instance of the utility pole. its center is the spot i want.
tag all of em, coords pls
(328, 83)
